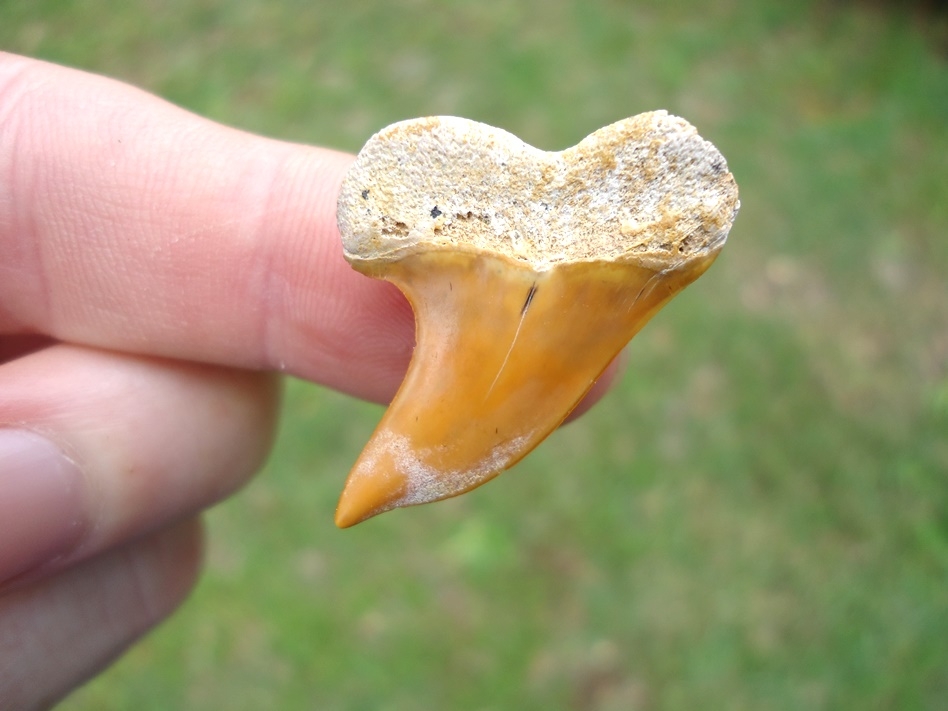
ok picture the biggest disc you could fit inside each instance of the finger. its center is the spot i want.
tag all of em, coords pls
(99, 447)
(59, 632)
(609, 377)
(127, 223)
(130, 224)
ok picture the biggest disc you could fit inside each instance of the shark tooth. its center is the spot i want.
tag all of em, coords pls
(528, 272)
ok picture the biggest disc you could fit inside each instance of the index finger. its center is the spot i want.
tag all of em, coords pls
(130, 224)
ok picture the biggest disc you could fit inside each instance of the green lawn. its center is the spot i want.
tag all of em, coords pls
(757, 518)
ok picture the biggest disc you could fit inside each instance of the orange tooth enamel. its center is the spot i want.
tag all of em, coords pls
(503, 355)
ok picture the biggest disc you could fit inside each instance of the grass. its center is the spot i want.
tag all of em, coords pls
(757, 518)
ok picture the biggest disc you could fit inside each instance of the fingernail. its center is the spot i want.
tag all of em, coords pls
(40, 502)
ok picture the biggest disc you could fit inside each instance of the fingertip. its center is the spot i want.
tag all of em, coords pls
(60, 631)
(609, 378)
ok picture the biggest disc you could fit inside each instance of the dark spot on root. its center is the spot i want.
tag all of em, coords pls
(365, 194)
(435, 212)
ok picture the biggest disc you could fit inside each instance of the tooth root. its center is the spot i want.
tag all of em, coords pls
(503, 354)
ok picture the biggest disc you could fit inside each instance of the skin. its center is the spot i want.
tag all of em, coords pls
(157, 271)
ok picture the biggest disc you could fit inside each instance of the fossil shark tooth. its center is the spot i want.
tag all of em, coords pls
(528, 272)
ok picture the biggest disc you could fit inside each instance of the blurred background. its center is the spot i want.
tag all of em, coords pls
(756, 518)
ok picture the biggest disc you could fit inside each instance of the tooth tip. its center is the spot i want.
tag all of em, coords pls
(349, 512)
(364, 498)
(346, 517)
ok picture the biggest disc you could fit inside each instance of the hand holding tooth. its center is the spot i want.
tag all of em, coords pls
(528, 272)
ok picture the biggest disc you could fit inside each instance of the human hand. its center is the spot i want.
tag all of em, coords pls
(156, 270)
